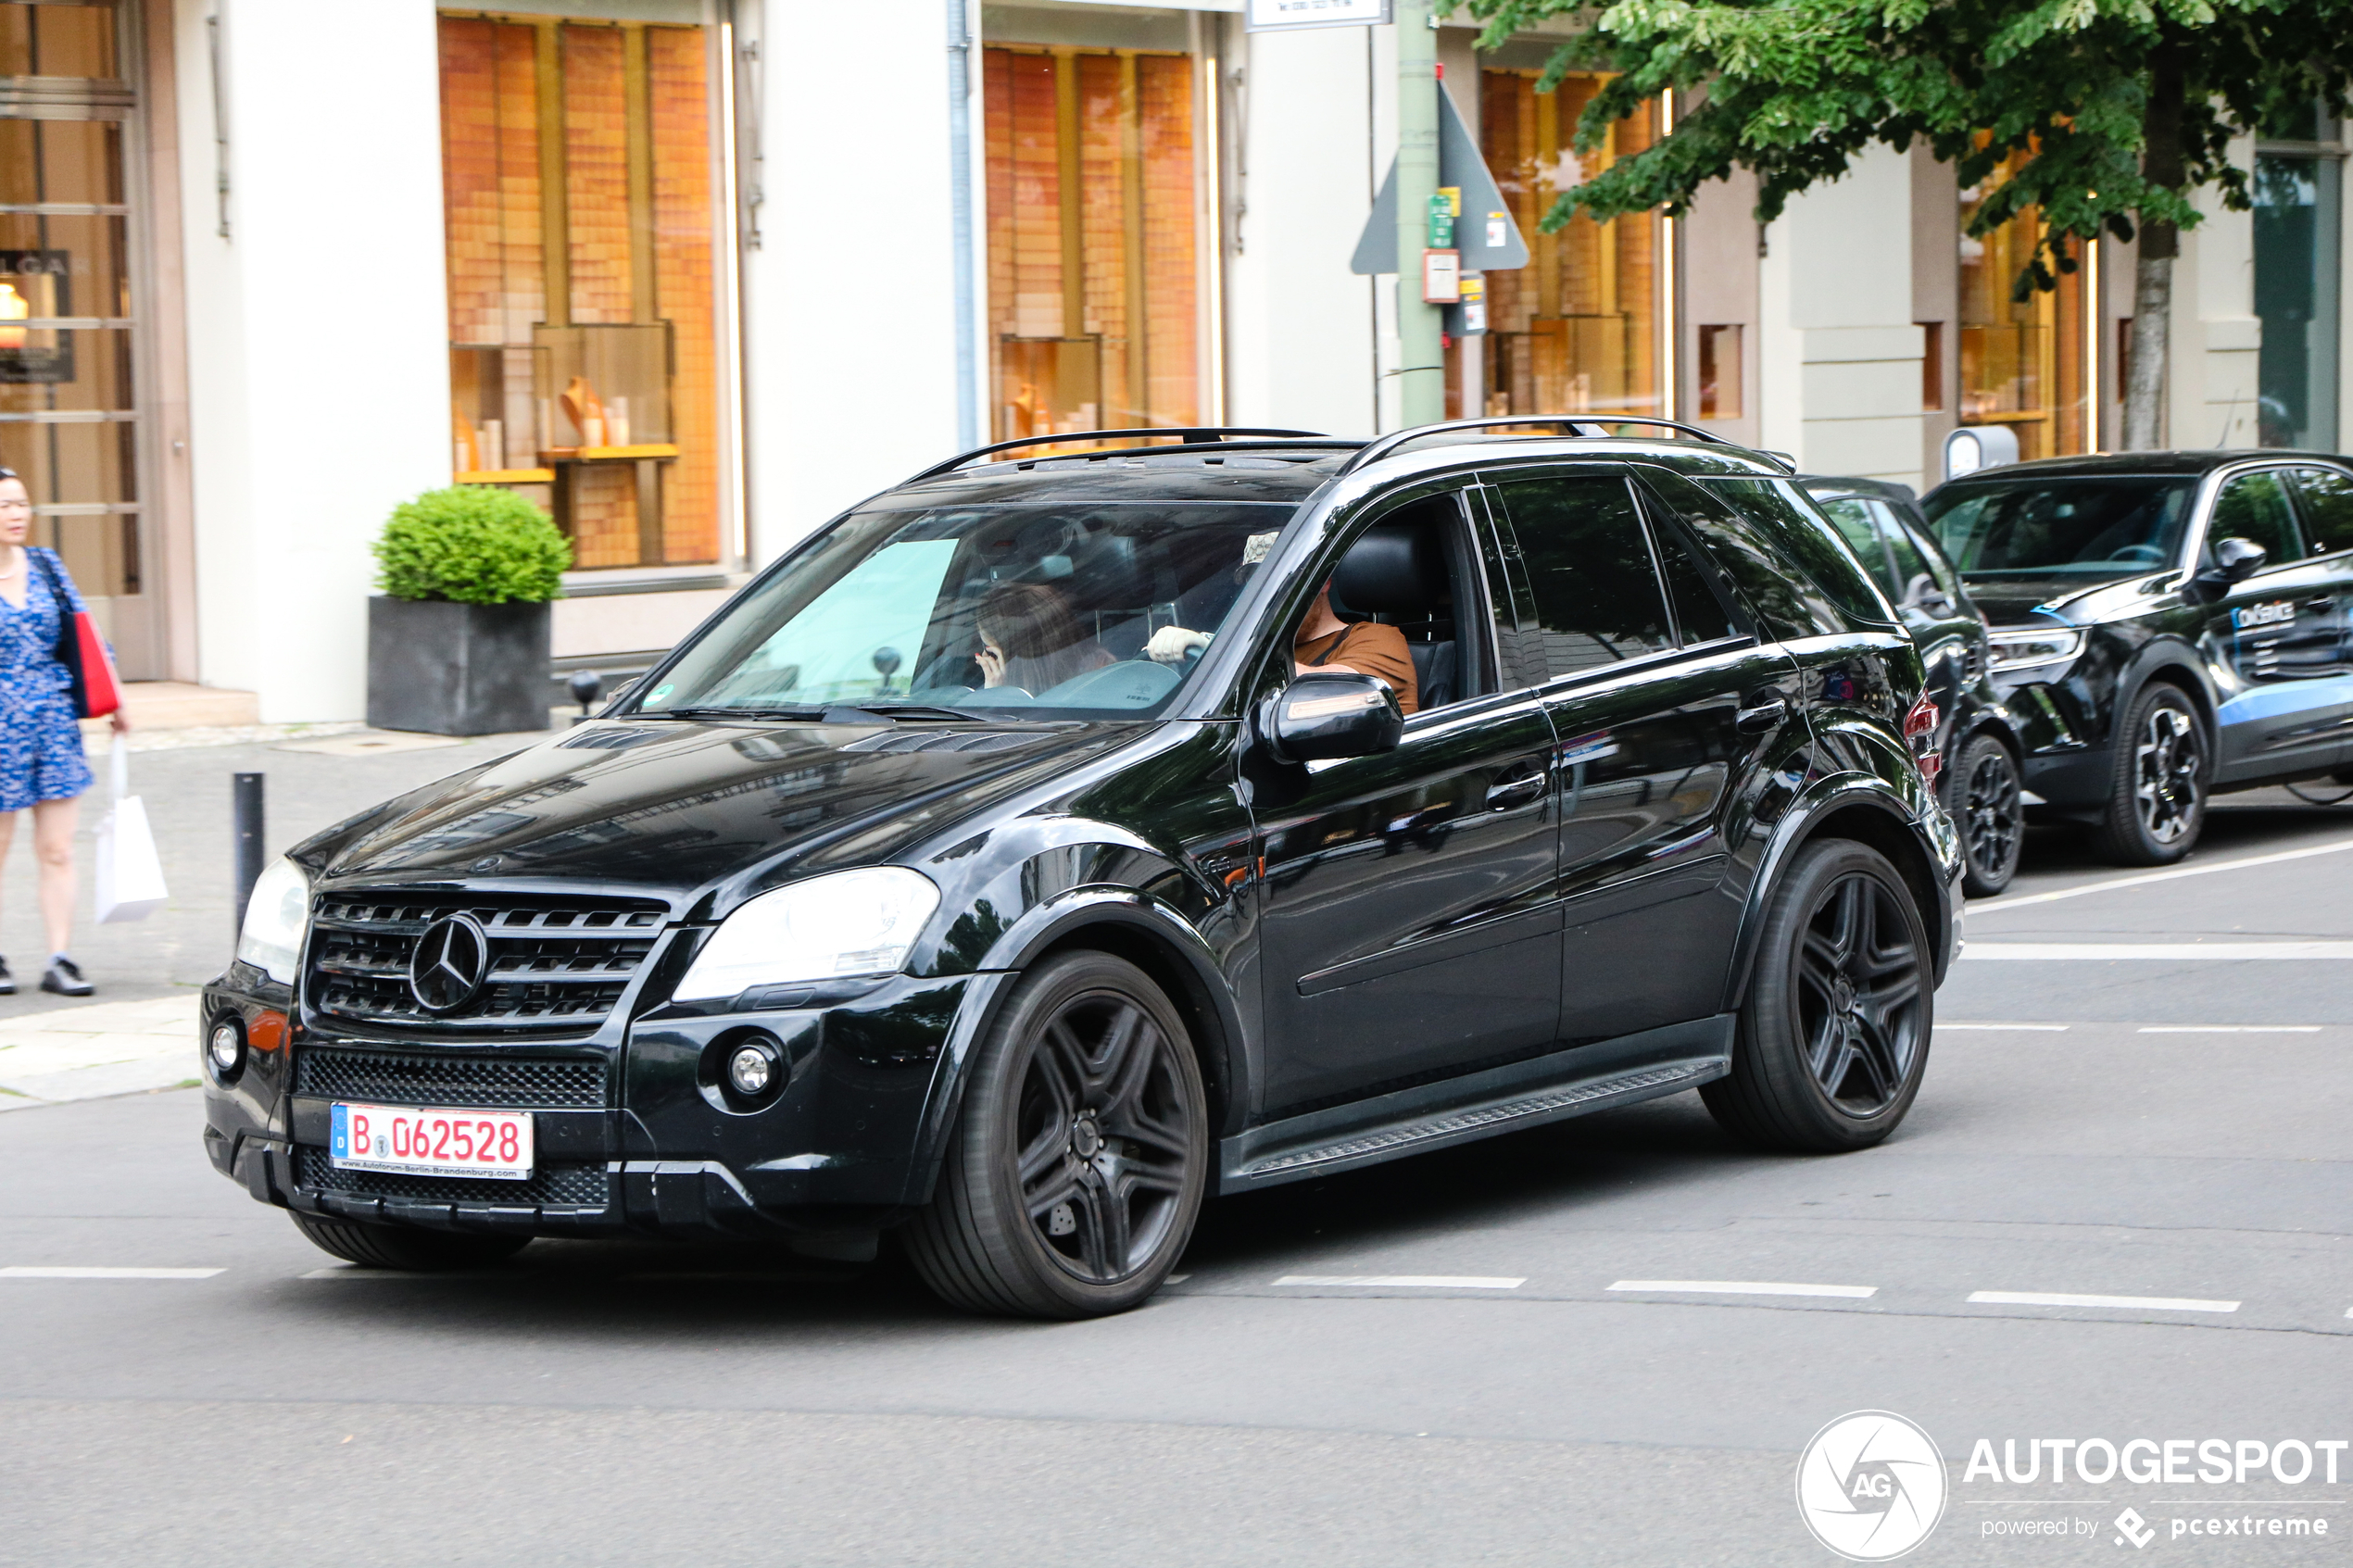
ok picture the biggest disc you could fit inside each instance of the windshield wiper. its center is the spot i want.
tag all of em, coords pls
(836, 713)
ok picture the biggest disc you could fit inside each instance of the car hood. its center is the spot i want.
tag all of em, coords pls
(675, 809)
(2008, 600)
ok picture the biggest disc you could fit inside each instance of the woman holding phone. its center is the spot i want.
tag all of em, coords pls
(42, 765)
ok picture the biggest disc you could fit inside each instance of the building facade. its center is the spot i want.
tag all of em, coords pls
(694, 275)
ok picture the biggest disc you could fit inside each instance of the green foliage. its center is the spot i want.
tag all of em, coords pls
(2122, 108)
(475, 543)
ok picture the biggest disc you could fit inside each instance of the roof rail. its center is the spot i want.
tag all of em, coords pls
(1185, 434)
(1580, 426)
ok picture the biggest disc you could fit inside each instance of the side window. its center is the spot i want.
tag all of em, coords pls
(2255, 506)
(1700, 614)
(1592, 591)
(1520, 645)
(1855, 523)
(2327, 495)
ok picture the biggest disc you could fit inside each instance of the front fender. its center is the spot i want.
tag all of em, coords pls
(1118, 917)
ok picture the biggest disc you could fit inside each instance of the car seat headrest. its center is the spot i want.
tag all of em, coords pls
(1394, 570)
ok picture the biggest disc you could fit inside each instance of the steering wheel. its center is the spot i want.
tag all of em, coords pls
(2139, 555)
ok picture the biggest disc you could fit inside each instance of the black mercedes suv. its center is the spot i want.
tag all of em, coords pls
(987, 870)
(2166, 624)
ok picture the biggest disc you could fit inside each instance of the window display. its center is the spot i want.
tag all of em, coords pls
(583, 305)
(1578, 330)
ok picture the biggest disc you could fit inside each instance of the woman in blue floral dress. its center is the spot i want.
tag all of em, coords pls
(42, 765)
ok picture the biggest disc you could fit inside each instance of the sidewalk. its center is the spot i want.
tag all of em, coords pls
(86, 1051)
(139, 1031)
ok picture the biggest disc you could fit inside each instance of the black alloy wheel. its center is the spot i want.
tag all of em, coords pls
(2157, 802)
(1984, 801)
(1080, 1162)
(406, 1247)
(1834, 1034)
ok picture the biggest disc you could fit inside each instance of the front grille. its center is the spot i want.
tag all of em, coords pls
(556, 964)
(438, 1079)
(568, 1185)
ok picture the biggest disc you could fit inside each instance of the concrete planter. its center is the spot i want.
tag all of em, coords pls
(457, 670)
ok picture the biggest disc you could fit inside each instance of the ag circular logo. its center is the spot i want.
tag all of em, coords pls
(451, 961)
(1871, 1485)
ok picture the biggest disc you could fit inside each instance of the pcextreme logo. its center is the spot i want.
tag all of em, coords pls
(1871, 1485)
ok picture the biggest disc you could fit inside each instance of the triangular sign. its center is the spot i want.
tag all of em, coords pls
(1485, 234)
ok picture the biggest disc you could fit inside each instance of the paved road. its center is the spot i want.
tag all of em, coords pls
(651, 1405)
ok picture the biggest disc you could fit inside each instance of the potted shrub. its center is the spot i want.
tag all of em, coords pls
(458, 640)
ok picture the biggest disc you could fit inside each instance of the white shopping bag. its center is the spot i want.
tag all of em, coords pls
(129, 876)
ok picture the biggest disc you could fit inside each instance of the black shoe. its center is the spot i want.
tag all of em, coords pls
(8, 981)
(64, 979)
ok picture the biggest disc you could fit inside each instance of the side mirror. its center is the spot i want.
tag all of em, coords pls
(1922, 594)
(2235, 560)
(1318, 717)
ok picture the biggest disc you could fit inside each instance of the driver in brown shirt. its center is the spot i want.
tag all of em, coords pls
(1325, 644)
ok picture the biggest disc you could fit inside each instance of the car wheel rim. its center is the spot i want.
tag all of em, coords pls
(1991, 810)
(1859, 995)
(2165, 775)
(1105, 1149)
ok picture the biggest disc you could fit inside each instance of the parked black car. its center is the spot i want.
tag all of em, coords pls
(2166, 624)
(1975, 736)
(913, 890)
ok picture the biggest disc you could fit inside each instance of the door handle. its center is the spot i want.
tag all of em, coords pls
(2326, 601)
(1762, 715)
(1513, 792)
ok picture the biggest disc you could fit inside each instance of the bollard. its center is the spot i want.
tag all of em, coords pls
(586, 686)
(245, 822)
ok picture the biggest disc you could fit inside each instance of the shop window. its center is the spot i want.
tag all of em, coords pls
(1931, 366)
(1719, 372)
(1093, 257)
(1577, 331)
(583, 328)
(2023, 362)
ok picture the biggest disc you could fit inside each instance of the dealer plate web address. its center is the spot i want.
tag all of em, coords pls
(418, 1141)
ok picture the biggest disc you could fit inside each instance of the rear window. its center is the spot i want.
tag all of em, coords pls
(1795, 523)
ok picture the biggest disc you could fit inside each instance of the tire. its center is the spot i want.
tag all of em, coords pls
(1983, 796)
(1088, 1081)
(401, 1247)
(2157, 793)
(1833, 1038)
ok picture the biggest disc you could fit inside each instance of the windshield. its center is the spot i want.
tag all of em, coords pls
(2095, 529)
(1045, 610)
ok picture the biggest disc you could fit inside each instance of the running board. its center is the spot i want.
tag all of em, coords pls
(1549, 1088)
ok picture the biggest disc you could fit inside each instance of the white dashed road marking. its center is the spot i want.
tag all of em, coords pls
(2011, 1028)
(1981, 909)
(2133, 1303)
(1745, 1287)
(2230, 1028)
(2169, 952)
(23, 1271)
(1414, 1282)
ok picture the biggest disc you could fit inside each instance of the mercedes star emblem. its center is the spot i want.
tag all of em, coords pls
(451, 962)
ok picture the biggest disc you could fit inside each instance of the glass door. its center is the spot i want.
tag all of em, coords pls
(69, 413)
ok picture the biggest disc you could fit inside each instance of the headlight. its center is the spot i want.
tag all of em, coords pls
(276, 922)
(851, 922)
(2034, 647)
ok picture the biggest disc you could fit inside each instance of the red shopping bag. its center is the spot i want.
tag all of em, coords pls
(97, 691)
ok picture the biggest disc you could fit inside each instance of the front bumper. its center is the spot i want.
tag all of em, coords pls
(634, 1134)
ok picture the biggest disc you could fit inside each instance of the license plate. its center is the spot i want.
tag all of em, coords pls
(418, 1141)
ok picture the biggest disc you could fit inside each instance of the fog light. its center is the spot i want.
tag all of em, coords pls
(749, 1071)
(227, 1048)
